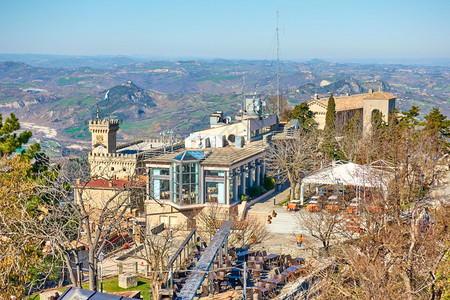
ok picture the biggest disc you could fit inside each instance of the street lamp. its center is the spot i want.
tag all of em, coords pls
(100, 259)
(170, 250)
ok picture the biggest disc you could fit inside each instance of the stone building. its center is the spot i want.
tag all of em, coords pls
(215, 165)
(218, 165)
(108, 160)
(99, 192)
(347, 106)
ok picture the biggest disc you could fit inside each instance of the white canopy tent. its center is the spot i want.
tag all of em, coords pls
(347, 174)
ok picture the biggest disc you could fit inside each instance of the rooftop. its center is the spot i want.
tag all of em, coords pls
(77, 293)
(139, 146)
(225, 156)
(353, 101)
(113, 183)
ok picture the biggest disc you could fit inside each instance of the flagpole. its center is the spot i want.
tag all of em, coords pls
(109, 110)
(109, 106)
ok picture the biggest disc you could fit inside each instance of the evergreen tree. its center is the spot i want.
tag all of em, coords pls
(302, 113)
(436, 122)
(377, 121)
(329, 134)
(330, 117)
(10, 141)
(411, 115)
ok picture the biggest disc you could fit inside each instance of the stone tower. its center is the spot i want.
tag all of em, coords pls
(104, 133)
(373, 102)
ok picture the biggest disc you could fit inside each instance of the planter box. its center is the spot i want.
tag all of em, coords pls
(127, 280)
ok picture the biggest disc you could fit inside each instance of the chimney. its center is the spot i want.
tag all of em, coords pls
(316, 97)
(370, 91)
(347, 94)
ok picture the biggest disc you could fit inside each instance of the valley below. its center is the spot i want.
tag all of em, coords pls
(57, 101)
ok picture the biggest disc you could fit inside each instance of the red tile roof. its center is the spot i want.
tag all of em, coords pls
(112, 183)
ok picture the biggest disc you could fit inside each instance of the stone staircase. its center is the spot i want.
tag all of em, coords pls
(284, 222)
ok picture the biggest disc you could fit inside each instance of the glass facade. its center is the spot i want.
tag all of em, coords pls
(160, 183)
(214, 173)
(231, 189)
(215, 192)
(160, 171)
(185, 183)
(182, 183)
(161, 189)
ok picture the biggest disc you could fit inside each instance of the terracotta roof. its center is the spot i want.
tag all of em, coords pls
(112, 183)
(379, 96)
(353, 101)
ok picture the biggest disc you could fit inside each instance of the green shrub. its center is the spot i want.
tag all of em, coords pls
(269, 183)
(255, 191)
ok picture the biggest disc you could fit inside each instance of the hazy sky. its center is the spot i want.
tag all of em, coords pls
(228, 28)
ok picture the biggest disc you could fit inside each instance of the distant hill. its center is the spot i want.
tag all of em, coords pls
(351, 86)
(67, 61)
(130, 101)
(151, 96)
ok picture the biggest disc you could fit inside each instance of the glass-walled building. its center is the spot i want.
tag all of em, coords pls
(216, 175)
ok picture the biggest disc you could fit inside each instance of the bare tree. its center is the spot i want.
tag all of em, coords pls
(290, 158)
(248, 228)
(398, 261)
(402, 249)
(326, 226)
(251, 230)
(156, 253)
(210, 218)
(351, 139)
(98, 209)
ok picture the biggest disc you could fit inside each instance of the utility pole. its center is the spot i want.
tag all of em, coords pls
(278, 71)
(170, 132)
(163, 134)
(245, 280)
(170, 252)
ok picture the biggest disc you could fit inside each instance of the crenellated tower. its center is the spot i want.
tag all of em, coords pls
(104, 135)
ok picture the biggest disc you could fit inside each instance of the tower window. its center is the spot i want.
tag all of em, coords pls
(112, 168)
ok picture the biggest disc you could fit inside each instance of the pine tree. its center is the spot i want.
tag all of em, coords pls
(437, 122)
(10, 141)
(411, 115)
(302, 113)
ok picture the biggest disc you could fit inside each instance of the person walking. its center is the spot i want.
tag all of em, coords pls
(299, 240)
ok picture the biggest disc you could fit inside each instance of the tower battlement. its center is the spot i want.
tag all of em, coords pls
(111, 155)
(104, 122)
(104, 135)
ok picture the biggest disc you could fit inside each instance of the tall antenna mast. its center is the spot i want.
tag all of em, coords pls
(278, 70)
(243, 97)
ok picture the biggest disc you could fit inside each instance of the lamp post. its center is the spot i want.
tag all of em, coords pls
(100, 259)
(171, 266)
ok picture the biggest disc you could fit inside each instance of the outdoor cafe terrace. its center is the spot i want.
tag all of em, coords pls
(263, 274)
